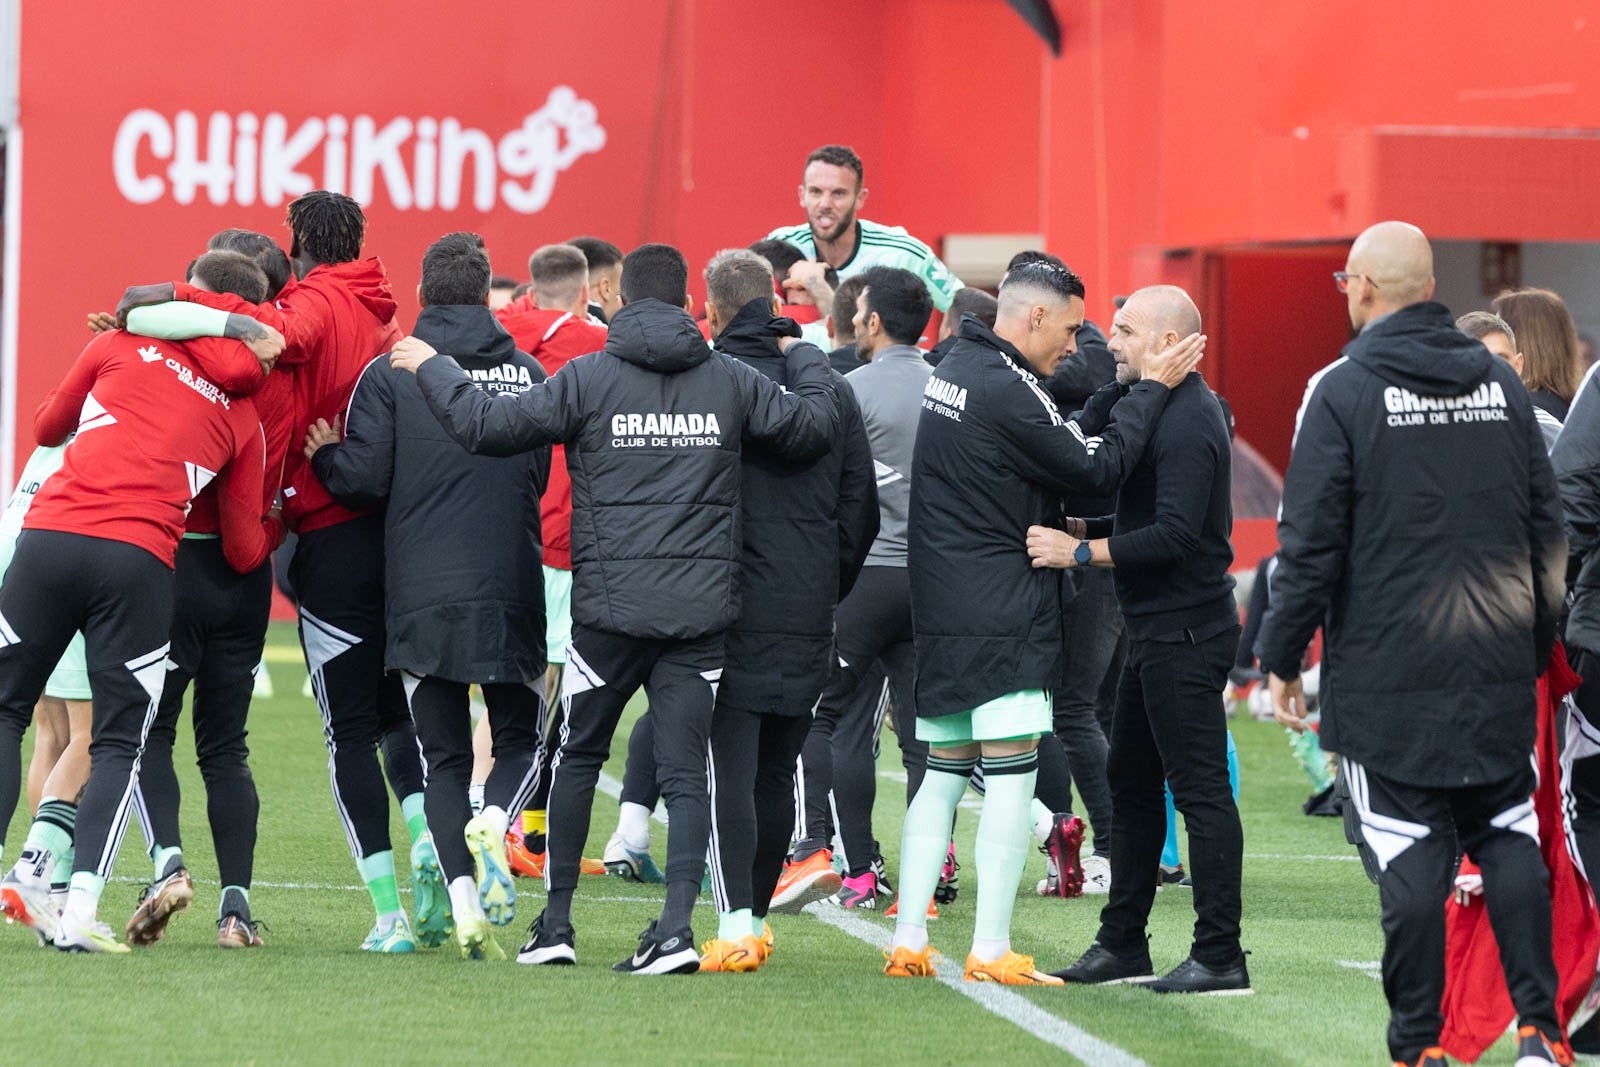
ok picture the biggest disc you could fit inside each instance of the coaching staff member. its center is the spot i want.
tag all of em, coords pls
(653, 426)
(1169, 545)
(1421, 529)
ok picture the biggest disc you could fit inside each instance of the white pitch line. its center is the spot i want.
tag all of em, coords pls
(1278, 856)
(1014, 1008)
(1371, 968)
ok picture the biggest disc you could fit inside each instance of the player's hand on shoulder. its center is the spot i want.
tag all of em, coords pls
(411, 353)
(267, 344)
(101, 321)
(137, 296)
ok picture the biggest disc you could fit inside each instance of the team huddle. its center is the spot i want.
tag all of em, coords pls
(784, 522)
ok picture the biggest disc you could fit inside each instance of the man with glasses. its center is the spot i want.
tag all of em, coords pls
(1421, 528)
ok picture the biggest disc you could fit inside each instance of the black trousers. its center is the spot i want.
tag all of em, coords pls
(120, 596)
(1413, 830)
(1091, 623)
(752, 803)
(219, 626)
(1583, 750)
(639, 784)
(442, 712)
(1170, 728)
(838, 775)
(338, 574)
(603, 671)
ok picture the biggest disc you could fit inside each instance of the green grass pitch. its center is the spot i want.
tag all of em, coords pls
(1310, 922)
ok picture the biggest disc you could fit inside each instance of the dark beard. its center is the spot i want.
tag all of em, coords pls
(845, 227)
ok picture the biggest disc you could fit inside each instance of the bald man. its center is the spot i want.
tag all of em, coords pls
(1421, 528)
(1168, 543)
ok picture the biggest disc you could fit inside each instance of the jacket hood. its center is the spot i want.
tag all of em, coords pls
(657, 337)
(974, 329)
(366, 281)
(468, 333)
(754, 332)
(1419, 348)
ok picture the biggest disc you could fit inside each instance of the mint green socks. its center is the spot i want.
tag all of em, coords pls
(1002, 848)
(923, 843)
(416, 821)
(377, 871)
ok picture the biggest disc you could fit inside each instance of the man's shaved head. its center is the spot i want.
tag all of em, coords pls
(1391, 266)
(1150, 321)
(1166, 307)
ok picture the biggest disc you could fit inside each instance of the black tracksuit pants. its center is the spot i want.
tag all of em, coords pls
(603, 671)
(120, 596)
(1170, 728)
(219, 626)
(1583, 750)
(752, 803)
(1091, 623)
(1413, 831)
(838, 775)
(442, 712)
(639, 784)
(338, 575)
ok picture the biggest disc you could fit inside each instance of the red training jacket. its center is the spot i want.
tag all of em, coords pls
(156, 422)
(334, 321)
(274, 403)
(1477, 1007)
(554, 338)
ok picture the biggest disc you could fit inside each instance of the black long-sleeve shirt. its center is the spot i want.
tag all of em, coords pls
(1169, 537)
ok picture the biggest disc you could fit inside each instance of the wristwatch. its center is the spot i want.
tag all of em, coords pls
(1082, 555)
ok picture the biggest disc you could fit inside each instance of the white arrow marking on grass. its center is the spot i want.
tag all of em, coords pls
(1014, 1008)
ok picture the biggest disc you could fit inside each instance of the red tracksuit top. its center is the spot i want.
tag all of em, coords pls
(334, 321)
(274, 403)
(156, 422)
(554, 338)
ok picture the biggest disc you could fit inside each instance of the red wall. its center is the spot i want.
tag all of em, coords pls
(1169, 133)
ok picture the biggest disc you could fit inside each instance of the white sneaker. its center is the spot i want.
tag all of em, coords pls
(92, 937)
(629, 865)
(1096, 876)
(30, 904)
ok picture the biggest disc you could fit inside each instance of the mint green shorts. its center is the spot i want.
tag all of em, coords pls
(70, 679)
(557, 614)
(1013, 717)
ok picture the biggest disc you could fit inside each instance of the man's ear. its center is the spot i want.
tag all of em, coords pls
(1516, 363)
(861, 197)
(713, 318)
(688, 303)
(777, 307)
(583, 293)
(423, 303)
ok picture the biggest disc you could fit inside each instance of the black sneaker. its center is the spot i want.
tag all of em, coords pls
(1534, 1048)
(660, 954)
(547, 947)
(1100, 966)
(1192, 976)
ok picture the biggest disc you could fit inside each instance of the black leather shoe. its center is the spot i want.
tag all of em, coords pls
(1192, 976)
(1101, 966)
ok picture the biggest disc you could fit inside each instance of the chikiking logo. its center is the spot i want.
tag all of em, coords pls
(421, 163)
